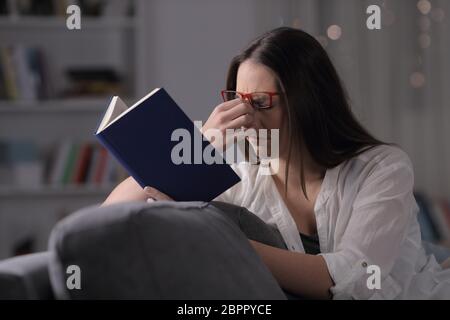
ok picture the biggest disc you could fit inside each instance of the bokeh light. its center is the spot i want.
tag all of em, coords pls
(424, 6)
(296, 23)
(417, 80)
(334, 32)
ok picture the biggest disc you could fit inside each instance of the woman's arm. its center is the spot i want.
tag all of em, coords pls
(130, 190)
(127, 190)
(302, 274)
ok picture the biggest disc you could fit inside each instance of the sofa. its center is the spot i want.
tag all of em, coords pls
(161, 250)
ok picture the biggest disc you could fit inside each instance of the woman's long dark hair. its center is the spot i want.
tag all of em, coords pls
(319, 116)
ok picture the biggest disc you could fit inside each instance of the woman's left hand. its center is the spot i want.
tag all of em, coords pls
(156, 195)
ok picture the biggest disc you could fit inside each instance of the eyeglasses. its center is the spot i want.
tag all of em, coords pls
(258, 100)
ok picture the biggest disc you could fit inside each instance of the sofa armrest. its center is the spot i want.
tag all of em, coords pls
(162, 250)
(25, 277)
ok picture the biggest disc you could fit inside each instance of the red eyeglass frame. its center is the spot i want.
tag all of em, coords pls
(248, 96)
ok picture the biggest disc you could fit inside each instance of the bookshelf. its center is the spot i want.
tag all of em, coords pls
(105, 41)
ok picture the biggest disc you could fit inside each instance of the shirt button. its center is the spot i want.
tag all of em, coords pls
(364, 264)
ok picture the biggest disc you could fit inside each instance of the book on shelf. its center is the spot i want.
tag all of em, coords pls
(23, 75)
(434, 218)
(26, 165)
(20, 164)
(83, 164)
(141, 138)
(445, 207)
(93, 81)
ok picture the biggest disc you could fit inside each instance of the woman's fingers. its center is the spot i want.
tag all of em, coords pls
(226, 106)
(156, 194)
(247, 121)
(237, 111)
(234, 114)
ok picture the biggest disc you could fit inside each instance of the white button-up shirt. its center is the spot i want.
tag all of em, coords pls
(366, 216)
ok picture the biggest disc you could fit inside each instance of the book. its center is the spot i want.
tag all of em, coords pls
(140, 138)
(439, 218)
(69, 165)
(59, 162)
(90, 175)
(446, 210)
(428, 227)
(101, 167)
(82, 163)
(9, 73)
(22, 159)
(26, 81)
(23, 74)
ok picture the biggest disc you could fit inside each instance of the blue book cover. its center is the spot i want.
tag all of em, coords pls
(140, 138)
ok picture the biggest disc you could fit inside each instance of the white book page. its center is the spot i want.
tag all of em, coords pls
(117, 109)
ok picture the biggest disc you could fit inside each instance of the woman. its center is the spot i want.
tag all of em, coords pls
(341, 199)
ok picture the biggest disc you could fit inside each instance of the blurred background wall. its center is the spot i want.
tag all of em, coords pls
(398, 79)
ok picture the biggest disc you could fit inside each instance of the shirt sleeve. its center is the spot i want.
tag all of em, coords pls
(371, 242)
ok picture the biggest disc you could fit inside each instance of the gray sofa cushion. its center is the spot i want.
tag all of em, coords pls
(25, 277)
(162, 250)
(251, 225)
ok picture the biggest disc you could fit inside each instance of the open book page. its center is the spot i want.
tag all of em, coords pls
(115, 109)
(123, 112)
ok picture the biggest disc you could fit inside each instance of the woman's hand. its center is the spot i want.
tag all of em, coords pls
(234, 114)
(156, 195)
(130, 190)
